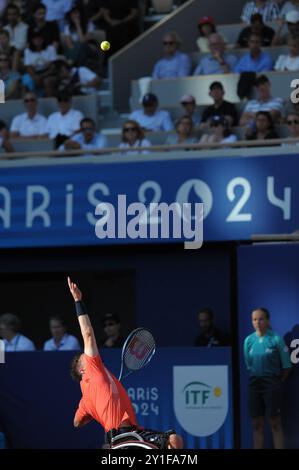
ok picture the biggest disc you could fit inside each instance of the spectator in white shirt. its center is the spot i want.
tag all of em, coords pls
(16, 27)
(132, 138)
(65, 122)
(10, 326)
(56, 10)
(150, 117)
(290, 61)
(30, 124)
(77, 33)
(88, 138)
(39, 62)
(292, 5)
(76, 80)
(61, 340)
(268, 9)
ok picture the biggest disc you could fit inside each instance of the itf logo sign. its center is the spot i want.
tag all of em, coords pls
(2, 92)
(2, 352)
(200, 398)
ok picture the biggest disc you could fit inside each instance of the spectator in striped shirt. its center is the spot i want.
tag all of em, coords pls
(268, 9)
(264, 102)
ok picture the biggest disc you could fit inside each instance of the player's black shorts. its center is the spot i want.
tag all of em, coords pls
(265, 396)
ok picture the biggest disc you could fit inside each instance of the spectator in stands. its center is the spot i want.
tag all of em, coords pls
(3, 5)
(257, 26)
(210, 335)
(87, 138)
(76, 80)
(268, 9)
(220, 132)
(61, 340)
(39, 62)
(174, 63)
(65, 122)
(133, 138)
(218, 61)
(30, 124)
(112, 329)
(293, 126)
(264, 102)
(206, 26)
(188, 103)
(292, 5)
(48, 29)
(56, 10)
(263, 128)
(16, 27)
(255, 60)
(121, 20)
(93, 11)
(14, 341)
(290, 61)
(184, 132)
(219, 108)
(150, 117)
(8, 50)
(282, 34)
(4, 138)
(77, 32)
(10, 77)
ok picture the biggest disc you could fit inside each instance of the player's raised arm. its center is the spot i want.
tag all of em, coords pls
(90, 345)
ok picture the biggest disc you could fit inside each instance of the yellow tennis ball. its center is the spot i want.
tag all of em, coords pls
(105, 45)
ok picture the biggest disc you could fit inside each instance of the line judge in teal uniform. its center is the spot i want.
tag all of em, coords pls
(268, 362)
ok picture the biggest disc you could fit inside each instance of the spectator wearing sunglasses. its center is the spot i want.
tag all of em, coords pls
(188, 103)
(30, 124)
(112, 327)
(87, 138)
(220, 132)
(133, 138)
(293, 127)
(174, 63)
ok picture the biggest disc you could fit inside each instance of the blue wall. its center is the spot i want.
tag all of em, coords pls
(268, 276)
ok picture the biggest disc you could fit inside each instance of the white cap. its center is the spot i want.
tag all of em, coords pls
(292, 16)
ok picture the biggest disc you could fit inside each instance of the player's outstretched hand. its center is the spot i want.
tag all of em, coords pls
(74, 289)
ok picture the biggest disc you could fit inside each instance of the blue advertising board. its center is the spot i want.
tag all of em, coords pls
(54, 205)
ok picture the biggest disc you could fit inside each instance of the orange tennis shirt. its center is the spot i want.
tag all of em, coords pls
(103, 396)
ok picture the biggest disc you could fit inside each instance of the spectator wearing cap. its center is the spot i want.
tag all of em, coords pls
(133, 138)
(220, 107)
(87, 138)
(14, 341)
(112, 327)
(292, 5)
(174, 63)
(16, 27)
(218, 61)
(264, 102)
(257, 26)
(188, 103)
(282, 34)
(220, 132)
(4, 138)
(268, 9)
(65, 122)
(61, 340)
(150, 117)
(30, 124)
(184, 132)
(290, 61)
(255, 60)
(206, 27)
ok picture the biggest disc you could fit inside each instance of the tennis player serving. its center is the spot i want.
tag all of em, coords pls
(104, 399)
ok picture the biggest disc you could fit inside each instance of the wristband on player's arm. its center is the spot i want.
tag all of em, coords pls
(80, 308)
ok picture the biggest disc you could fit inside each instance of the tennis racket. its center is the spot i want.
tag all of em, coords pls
(137, 351)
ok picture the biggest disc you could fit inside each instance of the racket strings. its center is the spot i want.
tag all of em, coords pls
(139, 350)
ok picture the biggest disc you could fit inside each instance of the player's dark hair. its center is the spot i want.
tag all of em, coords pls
(75, 374)
(265, 310)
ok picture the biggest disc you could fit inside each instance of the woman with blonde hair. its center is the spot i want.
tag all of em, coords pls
(133, 138)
